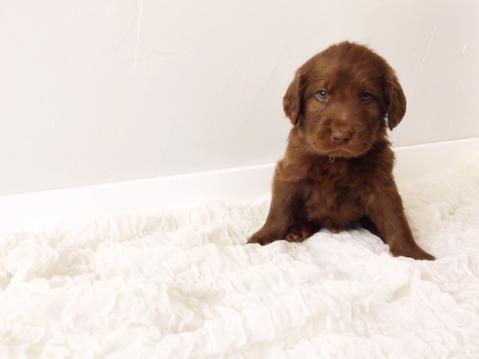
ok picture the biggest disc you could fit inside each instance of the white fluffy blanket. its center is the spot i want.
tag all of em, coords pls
(183, 284)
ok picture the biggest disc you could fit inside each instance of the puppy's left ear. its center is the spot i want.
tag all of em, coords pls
(396, 101)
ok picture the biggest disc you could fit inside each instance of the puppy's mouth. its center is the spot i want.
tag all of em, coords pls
(346, 150)
(340, 153)
(354, 148)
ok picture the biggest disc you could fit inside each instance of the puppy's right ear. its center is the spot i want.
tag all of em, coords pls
(292, 100)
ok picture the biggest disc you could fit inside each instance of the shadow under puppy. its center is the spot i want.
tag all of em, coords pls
(337, 169)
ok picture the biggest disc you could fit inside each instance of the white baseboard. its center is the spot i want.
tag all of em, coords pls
(430, 159)
(40, 209)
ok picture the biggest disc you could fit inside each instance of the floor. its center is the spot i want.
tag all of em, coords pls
(183, 284)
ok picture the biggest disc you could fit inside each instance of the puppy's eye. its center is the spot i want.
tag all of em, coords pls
(365, 96)
(322, 95)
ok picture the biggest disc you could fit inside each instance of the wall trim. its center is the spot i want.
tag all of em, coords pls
(34, 211)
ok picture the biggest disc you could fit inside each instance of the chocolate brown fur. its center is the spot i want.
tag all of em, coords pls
(337, 169)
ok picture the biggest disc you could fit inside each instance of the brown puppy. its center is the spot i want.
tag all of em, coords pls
(337, 170)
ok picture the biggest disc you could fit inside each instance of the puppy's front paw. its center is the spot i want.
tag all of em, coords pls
(421, 255)
(415, 253)
(300, 232)
(265, 236)
(260, 239)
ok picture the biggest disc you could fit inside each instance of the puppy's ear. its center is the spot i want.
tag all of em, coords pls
(395, 100)
(292, 100)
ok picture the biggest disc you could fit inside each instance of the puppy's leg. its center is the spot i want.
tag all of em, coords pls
(386, 211)
(369, 225)
(284, 201)
(301, 231)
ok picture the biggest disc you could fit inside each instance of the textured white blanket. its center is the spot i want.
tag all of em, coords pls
(183, 284)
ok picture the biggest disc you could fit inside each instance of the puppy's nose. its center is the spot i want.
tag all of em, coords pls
(341, 137)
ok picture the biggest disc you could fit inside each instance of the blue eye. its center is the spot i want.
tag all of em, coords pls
(322, 95)
(365, 96)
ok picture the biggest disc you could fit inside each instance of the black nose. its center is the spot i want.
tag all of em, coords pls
(341, 137)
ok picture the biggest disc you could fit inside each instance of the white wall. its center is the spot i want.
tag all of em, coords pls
(94, 91)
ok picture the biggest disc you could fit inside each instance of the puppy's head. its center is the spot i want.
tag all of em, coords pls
(340, 99)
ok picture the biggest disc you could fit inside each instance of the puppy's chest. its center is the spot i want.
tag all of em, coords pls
(333, 193)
